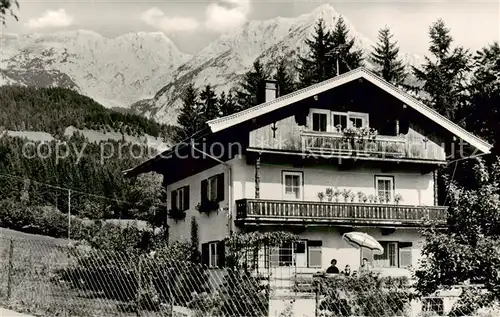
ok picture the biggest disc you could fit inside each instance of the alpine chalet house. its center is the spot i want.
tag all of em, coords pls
(352, 153)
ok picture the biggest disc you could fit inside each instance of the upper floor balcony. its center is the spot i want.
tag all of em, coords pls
(380, 147)
(261, 211)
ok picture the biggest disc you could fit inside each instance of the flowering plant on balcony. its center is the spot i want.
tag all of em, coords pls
(360, 136)
(398, 198)
(176, 214)
(321, 196)
(207, 206)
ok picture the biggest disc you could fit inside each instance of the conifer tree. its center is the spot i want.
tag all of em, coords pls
(483, 113)
(209, 107)
(249, 91)
(189, 118)
(316, 67)
(284, 78)
(444, 74)
(385, 56)
(227, 104)
(343, 48)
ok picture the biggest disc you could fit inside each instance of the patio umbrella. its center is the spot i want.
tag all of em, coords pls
(362, 240)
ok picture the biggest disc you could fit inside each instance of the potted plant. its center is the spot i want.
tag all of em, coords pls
(359, 138)
(321, 196)
(176, 214)
(346, 193)
(336, 194)
(371, 199)
(352, 197)
(329, 193)
(207, 206)
(398, 198)
(362, 197)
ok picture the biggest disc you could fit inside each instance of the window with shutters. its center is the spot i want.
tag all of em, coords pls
(213, 254)
(180, 198)
(396, 254)
(213, 188)
(304, 253)
(384, 187)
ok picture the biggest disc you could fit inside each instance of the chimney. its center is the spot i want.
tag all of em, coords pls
(271, 90)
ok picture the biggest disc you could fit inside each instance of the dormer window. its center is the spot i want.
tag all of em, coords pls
(323, 120)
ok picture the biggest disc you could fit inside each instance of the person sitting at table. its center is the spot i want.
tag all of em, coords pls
(333, 269)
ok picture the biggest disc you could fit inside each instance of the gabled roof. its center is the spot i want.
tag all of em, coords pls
(223, 123)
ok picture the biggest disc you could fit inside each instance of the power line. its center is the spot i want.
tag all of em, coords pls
(66, 189)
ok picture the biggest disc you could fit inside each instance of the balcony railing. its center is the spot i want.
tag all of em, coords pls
(382, 146)
(273, 211)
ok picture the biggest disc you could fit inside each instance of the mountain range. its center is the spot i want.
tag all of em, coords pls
(147, 72)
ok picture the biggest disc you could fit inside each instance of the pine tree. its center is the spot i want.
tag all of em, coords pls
(317, 66)
(385, 55)
(343, 49)
(284, 78)
(189, 118)
(444, 75)
(249, 91)
(483, 113)
(227, 104)
(209, 106)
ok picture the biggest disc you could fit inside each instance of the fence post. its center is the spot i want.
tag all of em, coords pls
(139, 286)
(9, 276)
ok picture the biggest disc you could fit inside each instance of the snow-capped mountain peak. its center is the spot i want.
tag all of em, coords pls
(114, 71)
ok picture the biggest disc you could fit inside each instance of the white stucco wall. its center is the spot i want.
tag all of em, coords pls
(213, 227)
(415, 188)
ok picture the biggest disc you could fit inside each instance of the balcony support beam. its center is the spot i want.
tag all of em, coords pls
(257, 176)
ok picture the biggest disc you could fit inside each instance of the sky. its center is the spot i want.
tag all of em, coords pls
(193, 24)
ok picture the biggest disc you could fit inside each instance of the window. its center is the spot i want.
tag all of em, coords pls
(384, 186)
(292, 185)
(320, 120)
(339, 119)
(324, 120)
(434, 305)
(213, 254)
(180, 198)
(396, 254)
(314, 253)
(213, 188)
(305, 253)
(358, 120)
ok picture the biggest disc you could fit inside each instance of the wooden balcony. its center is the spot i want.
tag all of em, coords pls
(260, 211)
(333, 144)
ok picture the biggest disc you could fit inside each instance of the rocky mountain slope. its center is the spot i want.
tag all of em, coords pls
(223, 62)
(115, 72)
(147, 71)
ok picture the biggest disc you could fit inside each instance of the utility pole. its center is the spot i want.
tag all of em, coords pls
(336, 51)
(69, 215)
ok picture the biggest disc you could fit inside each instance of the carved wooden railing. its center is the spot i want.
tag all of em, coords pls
(306, 211)
(323, 143)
